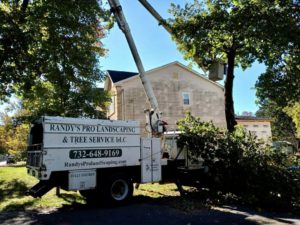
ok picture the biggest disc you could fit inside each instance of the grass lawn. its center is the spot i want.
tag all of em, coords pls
(14, 182)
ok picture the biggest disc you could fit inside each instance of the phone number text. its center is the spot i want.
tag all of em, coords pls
(95, 153)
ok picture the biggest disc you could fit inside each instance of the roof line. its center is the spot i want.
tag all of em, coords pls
(168, 64)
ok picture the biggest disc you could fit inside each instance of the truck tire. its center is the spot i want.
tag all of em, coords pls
(118, 190)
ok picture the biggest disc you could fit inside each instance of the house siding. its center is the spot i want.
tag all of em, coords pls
(260, 128)
(206, 97)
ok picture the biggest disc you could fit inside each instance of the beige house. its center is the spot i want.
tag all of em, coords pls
(261, 127)
(178, 89)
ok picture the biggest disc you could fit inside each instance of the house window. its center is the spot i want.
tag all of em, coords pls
(186, 98)
(255, 125)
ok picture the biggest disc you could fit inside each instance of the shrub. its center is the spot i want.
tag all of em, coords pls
(241, 165)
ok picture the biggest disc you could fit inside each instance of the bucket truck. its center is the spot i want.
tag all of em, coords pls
(100, 158)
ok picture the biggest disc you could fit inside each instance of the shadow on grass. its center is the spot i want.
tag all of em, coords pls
(12, 189)
(72, 199)
(1, 191)
(18, 206)
(11, 192)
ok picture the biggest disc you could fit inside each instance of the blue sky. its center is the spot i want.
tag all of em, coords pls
(156, 48)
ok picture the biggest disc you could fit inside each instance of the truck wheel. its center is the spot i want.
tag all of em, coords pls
(119, 190)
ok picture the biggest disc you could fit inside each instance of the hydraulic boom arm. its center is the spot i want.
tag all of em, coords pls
(154, 115)
(156, 15)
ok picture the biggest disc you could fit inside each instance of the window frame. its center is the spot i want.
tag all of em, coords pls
(183, 94)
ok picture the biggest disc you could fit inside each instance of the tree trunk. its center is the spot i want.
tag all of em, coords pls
(229, 105)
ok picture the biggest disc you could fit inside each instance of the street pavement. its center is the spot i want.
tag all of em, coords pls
(145, 214)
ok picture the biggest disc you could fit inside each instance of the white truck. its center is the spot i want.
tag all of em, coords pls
(97, 157)
(103, 158)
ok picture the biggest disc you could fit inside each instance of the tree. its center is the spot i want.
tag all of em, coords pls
(237, 32)
(278, 93)
(280, 83)
(14, 42)
(13, 137)
(294, 112)
(53, 63)
(44, 99)
(240, 165)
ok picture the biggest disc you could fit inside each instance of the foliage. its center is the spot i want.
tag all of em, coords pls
(294, 112)
(17, 141)
(14, 39)
(241, 165)
(46, 100)
(3, 150)
(280, 83)
(277, 91)
(49, 55)
(237, 32)
(13, 137)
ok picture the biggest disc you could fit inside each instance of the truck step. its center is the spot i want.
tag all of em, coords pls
(40, 189)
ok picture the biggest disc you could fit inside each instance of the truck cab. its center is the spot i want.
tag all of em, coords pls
(171, 149)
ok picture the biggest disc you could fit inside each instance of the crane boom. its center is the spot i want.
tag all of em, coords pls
(154, 118)
(156, 15)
